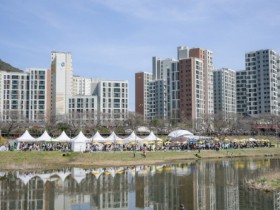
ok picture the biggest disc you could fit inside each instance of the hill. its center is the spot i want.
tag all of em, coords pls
(7, 67)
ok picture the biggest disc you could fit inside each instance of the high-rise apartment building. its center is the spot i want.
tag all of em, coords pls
(241, 92)
(167, 70)
(113, 95)
(191, 90)
(61, 82)
(173, 91)
(83, 108)
(81, 86)
(157, 100)
(142, 80)
(182, 52)
(188, 83)
(206, 56)
(161, 67)
(14, 96)
(39, 95)
(25, 96)
(225, 92)
(262, 82)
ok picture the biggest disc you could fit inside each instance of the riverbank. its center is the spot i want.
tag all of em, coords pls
(19, 160)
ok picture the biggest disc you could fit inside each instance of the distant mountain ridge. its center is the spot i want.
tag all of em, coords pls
(7, 67)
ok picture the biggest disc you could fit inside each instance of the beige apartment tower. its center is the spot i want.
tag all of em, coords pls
(142, 80)
(61, 87)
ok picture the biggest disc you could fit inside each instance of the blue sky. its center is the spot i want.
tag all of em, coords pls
(113, 39)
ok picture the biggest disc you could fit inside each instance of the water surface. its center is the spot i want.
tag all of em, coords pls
(200, 185)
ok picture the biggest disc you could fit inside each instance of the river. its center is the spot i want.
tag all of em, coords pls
(199, 185)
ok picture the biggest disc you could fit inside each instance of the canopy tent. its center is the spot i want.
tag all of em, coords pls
(252, 139)
(44, 137)
(62, 138)
(79, 142)
(97, 138)
(113, 138)
(178, 133)
(189, 139)
(143, 129)
(26, 137)
(132, 138)
(151, 137)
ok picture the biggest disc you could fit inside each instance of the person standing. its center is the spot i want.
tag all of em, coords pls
(144, 150)
(182, 207)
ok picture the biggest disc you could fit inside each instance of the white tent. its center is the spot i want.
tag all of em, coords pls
(98, 138)
(132, 138)
(62, 138)
(44, 137)
(79, 143)
(152, 137)
(113, 138)
(178, 133)
(26, 137)
(143, 129)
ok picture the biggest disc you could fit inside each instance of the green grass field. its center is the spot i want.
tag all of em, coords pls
(39, 159)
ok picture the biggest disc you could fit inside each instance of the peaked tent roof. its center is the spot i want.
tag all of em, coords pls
(132, 138)
(178, 133)
(152, 137)
(62, 138)
(26, 137)
(113, 137)
(80, 138)
(97, 138)
(44, 137)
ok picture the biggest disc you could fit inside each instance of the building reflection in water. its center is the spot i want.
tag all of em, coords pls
(203, 185)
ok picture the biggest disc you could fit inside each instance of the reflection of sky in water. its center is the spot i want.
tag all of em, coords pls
(199, 185)
(85, 206)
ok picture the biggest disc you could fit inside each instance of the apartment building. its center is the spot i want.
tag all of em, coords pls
(113, 96)
(241, 92)
(206, 56)
(61, 83)
(167, 70)
(188, 86)
(25, 96)
(192, 100)
(83, 109)
(81, 86)
(262, 82)
(142, 80)
(157, 100)
(225, 92)
(39, 95)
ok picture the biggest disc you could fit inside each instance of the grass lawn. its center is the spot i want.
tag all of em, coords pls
(39, 159)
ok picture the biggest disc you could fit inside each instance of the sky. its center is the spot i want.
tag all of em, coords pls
(114, 39)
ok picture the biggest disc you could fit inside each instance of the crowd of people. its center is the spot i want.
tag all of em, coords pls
(200, 145)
